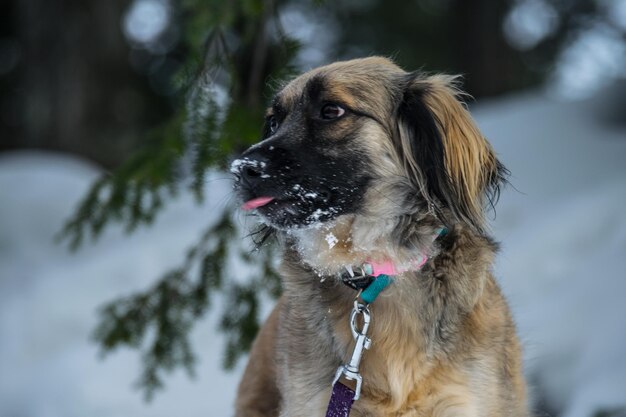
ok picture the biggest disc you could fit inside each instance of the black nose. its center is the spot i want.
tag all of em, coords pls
(252, 167)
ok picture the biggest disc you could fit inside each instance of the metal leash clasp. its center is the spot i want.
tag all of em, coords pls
(351, 370)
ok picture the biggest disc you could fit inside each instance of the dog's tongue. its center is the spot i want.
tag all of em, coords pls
(256, 203)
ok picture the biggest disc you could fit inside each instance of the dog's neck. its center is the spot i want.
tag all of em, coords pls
(352, 240)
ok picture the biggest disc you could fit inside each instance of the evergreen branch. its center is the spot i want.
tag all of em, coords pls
(159, 320)
(203, 133)
(134, 193)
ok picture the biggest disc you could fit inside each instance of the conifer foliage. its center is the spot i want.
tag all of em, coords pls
(229, 47)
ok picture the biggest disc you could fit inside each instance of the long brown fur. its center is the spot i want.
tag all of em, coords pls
(443, 340)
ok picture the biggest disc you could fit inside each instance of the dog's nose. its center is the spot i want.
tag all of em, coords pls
(253, 167)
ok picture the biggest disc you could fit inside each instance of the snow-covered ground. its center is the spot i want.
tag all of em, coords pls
(562, 266)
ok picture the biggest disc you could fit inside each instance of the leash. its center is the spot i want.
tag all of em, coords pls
(370, 280)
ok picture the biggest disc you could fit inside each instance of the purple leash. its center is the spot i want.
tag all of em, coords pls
(340, 401)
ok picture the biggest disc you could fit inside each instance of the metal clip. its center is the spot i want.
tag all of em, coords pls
(351, 370)
(351, 272)
(356, 278)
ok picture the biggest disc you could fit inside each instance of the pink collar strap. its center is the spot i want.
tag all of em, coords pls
(370, 270)
(388, 268)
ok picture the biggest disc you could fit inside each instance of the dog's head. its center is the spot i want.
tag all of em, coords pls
(364, 137)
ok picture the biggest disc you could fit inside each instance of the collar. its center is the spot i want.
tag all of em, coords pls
(372, 277)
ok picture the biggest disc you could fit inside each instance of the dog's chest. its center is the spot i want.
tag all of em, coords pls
(395, 370)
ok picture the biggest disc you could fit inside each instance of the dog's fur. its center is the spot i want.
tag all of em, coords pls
(375, 183)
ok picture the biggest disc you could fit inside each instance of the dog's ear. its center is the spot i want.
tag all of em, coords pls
(452, 164)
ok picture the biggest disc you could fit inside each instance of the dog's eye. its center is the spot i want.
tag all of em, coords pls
(272, 123)
(332, 111)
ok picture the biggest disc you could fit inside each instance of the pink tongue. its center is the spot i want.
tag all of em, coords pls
(256, 202)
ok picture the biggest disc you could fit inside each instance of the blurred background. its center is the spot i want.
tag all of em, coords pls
(119, 235)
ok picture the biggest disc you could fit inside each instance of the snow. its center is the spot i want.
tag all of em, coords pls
(238, 164)
(331, 239)
(314, 219)
(562, 267)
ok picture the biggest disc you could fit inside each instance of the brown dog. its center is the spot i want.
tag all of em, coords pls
(361, 164)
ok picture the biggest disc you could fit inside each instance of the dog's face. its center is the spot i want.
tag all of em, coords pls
(364, 134)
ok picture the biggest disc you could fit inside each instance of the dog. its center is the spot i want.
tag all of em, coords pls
(362, 163)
